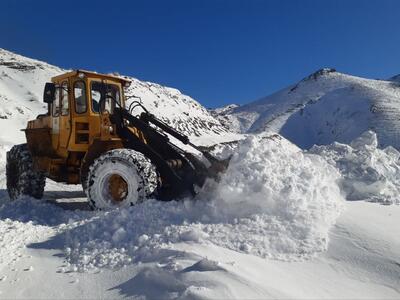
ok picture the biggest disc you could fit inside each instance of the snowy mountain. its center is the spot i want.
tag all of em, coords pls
(21, 87)
(324, 107)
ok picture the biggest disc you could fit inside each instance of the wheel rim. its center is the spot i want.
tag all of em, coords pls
(115, 182)
(117, 188)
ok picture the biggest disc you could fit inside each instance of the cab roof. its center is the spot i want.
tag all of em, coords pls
(74, 73)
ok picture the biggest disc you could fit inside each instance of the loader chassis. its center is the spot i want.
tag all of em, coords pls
(88, 127)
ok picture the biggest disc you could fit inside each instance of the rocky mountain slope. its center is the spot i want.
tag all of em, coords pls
(324, 107)
(21, 86)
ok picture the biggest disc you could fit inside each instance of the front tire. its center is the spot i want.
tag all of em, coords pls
(22, 178)
(120, 178)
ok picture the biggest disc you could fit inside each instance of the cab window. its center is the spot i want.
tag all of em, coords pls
(80, 97)
(64, 99)
(104, 94)
(56, 103)
(96, 96)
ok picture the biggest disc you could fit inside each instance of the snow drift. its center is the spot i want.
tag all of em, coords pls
(367, 171)
(274, 201)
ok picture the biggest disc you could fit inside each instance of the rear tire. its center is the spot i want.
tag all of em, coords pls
(22, 178)
(120, 178)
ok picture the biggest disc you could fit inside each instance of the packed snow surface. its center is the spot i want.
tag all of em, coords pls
(367, 171)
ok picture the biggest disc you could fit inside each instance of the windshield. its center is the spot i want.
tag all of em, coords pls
(105, 94)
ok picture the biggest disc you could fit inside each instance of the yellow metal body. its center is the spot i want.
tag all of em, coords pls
(66, 140)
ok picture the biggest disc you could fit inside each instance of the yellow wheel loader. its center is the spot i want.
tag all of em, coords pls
(89, 137)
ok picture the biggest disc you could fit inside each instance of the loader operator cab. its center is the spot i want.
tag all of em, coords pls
(103, 95)
(79, 106)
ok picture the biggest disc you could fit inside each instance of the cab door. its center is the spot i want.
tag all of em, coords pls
(64, 117)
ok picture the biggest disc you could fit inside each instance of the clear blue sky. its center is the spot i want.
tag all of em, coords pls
(220, 51)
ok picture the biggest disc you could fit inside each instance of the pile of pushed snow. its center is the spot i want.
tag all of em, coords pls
(368, 172)
(274, 201)
(282, 201)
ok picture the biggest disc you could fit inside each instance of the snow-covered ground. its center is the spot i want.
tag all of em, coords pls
(276, 226)
(361, 261)
(281, 223)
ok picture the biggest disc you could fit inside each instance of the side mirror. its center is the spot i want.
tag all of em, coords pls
(49, 92)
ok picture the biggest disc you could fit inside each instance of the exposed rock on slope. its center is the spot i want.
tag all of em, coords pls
(230, 122)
